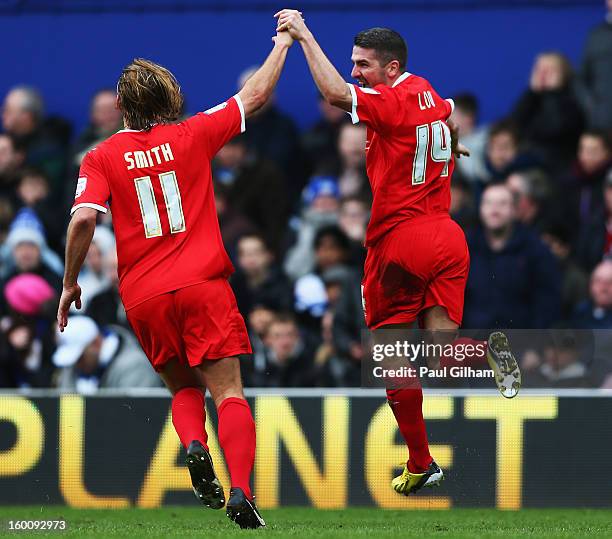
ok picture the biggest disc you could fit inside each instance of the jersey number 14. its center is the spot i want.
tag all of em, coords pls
(148, 204)
(440, 149)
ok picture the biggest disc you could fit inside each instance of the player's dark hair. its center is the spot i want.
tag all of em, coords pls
(467, 102)
(602, 135)
(387, 43)
(148, 94)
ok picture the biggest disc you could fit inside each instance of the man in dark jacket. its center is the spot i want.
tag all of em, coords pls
(45, 138)
(514, 280)
(597, 73)
(254, 188)
(597, 312)
(258, 281)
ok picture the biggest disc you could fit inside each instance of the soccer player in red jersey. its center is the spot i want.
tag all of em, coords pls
(155, 176)
(417, 262)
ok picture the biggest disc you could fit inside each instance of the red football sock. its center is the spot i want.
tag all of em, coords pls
(407, 409)
(189, 416)
(476, 358)
(237, 438)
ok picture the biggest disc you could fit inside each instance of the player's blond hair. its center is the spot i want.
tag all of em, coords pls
(149, 94)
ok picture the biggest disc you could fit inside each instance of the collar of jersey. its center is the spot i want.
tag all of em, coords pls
(135, 130)
(401, 79)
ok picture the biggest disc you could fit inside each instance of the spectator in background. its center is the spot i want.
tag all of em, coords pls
(596, 313)
(503, 155)
(45, 139)
(27, 333)
(88, 359)
(93, 277)
(348, 323)
(596, 73)
(33, 192)
(320, 142)
(331, 248)
(252, 367)
(563, 364)
(104, 120)
(233, 224)
(532, 197)
(273, 136)
(514, 280)
(258, 280)
(352, 177)
(254, 188)
(548, 115)
(584, 186)
(289, 360)
(595, 235)
(12, 157)
(106, 307)
(465, 117)
(353, 221)
(26, 251)
(320, 209)
(574, 280)
(7, 213)
(462, 208)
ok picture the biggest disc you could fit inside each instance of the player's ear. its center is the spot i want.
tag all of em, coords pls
(393, 68)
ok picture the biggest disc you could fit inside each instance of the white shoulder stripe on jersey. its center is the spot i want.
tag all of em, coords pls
(353, 112)
(452, 104)
(242, 115)
(368, 90)
(88, 205)
(216, 108)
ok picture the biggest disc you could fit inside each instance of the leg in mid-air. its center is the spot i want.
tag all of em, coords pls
(189, 419)
(236, 433)
(406, 402)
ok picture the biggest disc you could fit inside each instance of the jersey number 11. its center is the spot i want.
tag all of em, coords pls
(148, 204)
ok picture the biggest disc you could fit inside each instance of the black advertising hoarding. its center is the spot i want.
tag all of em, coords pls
(325, 450)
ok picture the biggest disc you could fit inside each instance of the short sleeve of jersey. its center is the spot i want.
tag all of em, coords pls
(92, 189)
(377, 108)
(216, 126)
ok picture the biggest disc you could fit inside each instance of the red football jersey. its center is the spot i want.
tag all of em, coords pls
(408, 150)
(158, 185)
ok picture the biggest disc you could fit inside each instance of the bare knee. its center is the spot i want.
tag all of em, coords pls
(220, 396)
(179, 376)
(223, 379)
(436, 318)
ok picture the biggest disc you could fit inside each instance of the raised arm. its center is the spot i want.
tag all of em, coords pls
(258, 89)
(330, 83)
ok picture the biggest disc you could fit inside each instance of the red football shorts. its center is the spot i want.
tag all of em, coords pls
(416, 265)
(192, 324)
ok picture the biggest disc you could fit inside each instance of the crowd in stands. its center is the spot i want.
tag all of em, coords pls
(534, 199)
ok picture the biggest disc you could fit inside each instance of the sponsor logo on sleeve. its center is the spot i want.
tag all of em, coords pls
(81, 185)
